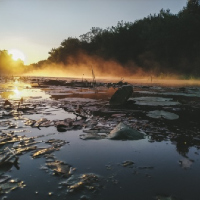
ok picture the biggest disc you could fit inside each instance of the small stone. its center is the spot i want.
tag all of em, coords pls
(50, 193)
(128, 163)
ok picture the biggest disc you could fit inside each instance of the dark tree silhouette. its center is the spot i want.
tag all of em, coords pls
(162, 43)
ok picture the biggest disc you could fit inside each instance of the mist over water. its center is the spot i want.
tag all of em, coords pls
(82, 65)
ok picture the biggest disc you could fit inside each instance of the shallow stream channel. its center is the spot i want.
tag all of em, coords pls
(64, 142)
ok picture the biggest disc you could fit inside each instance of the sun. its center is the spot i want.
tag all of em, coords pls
(16, 54)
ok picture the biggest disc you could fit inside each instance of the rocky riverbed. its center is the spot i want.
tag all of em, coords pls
(66, 140)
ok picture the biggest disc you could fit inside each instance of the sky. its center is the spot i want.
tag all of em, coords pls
(36, 26)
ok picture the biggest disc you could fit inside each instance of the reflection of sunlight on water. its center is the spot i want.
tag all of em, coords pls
(16, 82)
(17, 90)
(16, 95)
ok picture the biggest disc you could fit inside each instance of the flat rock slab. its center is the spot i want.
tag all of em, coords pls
(162, 114)
(154, 101)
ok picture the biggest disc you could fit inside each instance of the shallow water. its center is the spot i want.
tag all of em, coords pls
(163, 165)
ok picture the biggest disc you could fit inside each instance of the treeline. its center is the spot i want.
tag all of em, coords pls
(160, 43)
(10, 67)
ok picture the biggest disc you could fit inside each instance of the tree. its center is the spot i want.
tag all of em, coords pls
(162, 42)
(8, 65)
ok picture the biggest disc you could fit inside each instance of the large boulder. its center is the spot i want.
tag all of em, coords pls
(121, 95)
(124, 132)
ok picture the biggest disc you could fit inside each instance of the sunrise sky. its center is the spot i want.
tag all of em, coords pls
(36, 26)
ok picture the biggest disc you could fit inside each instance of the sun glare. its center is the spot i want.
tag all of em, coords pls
(16, 54)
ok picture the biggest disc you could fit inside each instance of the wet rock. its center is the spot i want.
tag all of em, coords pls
(62, 127)
(118, 115)
(50, 193)
(78, 123)
(68, 121)
(25, 108)
(59, 168)
(186, 163)
(39, 122)
(154, 101)
(121, 95)
(84, 197)
(46, 123)
(43, 151)
(25, 149)
(56, 142)
(5, 139)
(89, 182)
(5, 124)
(10, 138)
(124, 132)
(108, 167)
(5, 114)
(11, 185)
(30, 122)
(97, 130)
(8, 157)
(162, 114)
(7, 103)
(128, 163)
(4, 178)
(92, 136)
(69, 124)
(26, 142)
(16, 113)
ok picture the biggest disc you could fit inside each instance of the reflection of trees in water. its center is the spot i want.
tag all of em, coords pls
(181, 133)
(183, 143)
(182, 147)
